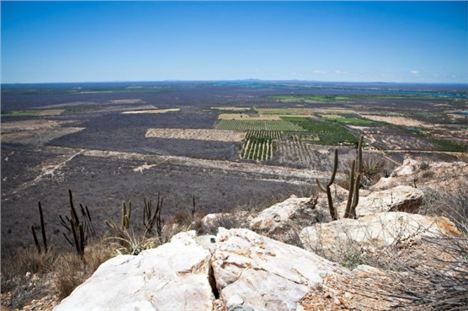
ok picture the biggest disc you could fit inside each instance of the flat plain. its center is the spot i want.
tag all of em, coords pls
(230, 144)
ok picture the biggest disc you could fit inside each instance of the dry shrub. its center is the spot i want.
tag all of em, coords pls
(23, 275)
(418, 274)
(71, 270)
(26, 260)
(372, 168)
(182, 218)
(434, 278)
(453, 205)
(131, 243)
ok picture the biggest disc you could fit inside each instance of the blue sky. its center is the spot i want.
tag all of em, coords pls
(326, 41)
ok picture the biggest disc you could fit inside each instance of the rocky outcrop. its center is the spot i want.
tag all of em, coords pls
(173, 276)
(400, 198)
(374, 231)
(440, 176)
(284, 220)
(244, 270)
(253, 272)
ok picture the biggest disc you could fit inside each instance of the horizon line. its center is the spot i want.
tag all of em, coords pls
(231, 80)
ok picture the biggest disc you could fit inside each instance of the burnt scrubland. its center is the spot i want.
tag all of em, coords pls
(265, 142)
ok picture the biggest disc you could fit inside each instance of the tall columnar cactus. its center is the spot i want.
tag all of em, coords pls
(354, 183)
(194, 207)
(152, 217)
(77, 231)
(126, 215)
(43, 232)
(327, 189)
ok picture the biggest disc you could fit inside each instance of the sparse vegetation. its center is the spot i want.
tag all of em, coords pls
(33, 113)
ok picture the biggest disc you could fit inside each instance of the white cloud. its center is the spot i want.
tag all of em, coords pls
(340, 72)
(414, 72)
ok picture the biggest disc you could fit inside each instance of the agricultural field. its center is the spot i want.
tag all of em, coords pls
(196, 134)
(232, 109)
(151, 111)
(328, 132)
(260, 145)
(248, 117)
(285, 111)
(267, 125)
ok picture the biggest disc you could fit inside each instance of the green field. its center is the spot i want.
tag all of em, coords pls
(329, 132)
(269, 125)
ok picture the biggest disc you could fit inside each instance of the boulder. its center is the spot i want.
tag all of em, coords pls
(399, 198)
(283, 219)
(253, 272)
(374, 231)
(173, 276)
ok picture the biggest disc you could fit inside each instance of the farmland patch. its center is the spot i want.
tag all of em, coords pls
(260, 145)
(396, 120)
(269, 125)
(196, 134)
(243, 116)
(151, 111)
(349, 119)
(328, 132)
(232, 109)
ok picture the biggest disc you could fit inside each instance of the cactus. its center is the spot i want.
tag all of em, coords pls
(354, 183)
(194, 207)
(152, 218)
(77, 231)
(126, 215)
(43, 232)
(327, 189)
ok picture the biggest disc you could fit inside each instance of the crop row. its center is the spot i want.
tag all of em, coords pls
(258, 149)
(264, 133)
(260, 145)
(268, 125)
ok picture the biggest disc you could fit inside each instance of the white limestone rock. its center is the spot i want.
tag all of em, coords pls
(259, 273)
(173, 276)
(281, 220)
(374, 231)
(399, 198)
